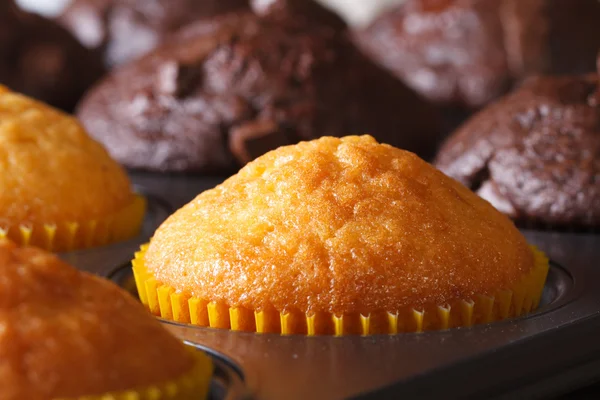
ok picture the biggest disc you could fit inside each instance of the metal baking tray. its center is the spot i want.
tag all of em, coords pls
(553, 351)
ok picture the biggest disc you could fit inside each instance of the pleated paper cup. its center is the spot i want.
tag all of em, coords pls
(60, 236)
(193, 385)
(518, 299)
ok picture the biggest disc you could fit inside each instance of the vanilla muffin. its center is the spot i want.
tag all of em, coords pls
(68, 334)
(60, 188)
(339, 236)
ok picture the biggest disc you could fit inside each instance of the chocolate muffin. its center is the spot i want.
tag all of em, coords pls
(551, 36)
(42, 60)
(468, 52)
(125, 29)
(225, 91)
(535, 154)
(450, 51)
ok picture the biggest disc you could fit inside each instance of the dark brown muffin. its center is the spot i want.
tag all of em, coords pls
(303, 12)
(450, 51)
(125, 29)
(535, 154)
(225, 91)
(551, 36)
(467, 52)
(42, 60)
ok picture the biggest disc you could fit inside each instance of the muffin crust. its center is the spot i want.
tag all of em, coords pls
(65, 333)
(52, 171)
(535, 154)
(338, 226)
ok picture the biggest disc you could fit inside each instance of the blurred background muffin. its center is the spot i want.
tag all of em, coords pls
(450, 51)
(551, 36)
(357, 12)
(60, 189)
(222, 92)
(535, 154)
(68, 334)
(123, 30)
(465, 53)
(43, 60)
(339, 236)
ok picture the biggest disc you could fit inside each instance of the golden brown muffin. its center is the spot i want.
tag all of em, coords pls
(60, 188)
(66, 334)
(340, 227)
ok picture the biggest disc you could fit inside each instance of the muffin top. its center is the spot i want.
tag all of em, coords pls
(125, 29)
(52, 171)
(535, 154)
(65, 333)
(340, 226)
(42, 60)
(468, 52)
(450, 51)
(225, 91)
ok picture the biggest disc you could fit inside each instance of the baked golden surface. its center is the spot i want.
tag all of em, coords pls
(64, 333)
(51, 170)
(340, 226)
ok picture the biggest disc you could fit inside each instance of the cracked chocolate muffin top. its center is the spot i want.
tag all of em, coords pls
(535, 154)
(225, 91)
(125, 29)
(42, 60)
(450, 51)
(466, 53)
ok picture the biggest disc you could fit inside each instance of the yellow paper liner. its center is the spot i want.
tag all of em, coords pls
(73, 235)
(519, 299)
(194, 385)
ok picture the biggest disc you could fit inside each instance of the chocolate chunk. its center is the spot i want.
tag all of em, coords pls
(176, 79)
(255, 138)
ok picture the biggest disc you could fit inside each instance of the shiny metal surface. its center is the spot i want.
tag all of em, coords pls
(227, 383)
(530, 356)
(105, 260)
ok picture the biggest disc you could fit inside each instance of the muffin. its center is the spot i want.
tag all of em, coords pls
(339, 236)
(535, 154)
(465, 53)
(42, 60)
(228, 90)
(449, 51)
(551, 36)
(71, 335)
(122, 30)
(60, 189)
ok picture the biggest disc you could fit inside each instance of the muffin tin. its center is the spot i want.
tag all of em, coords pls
(546, 353)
